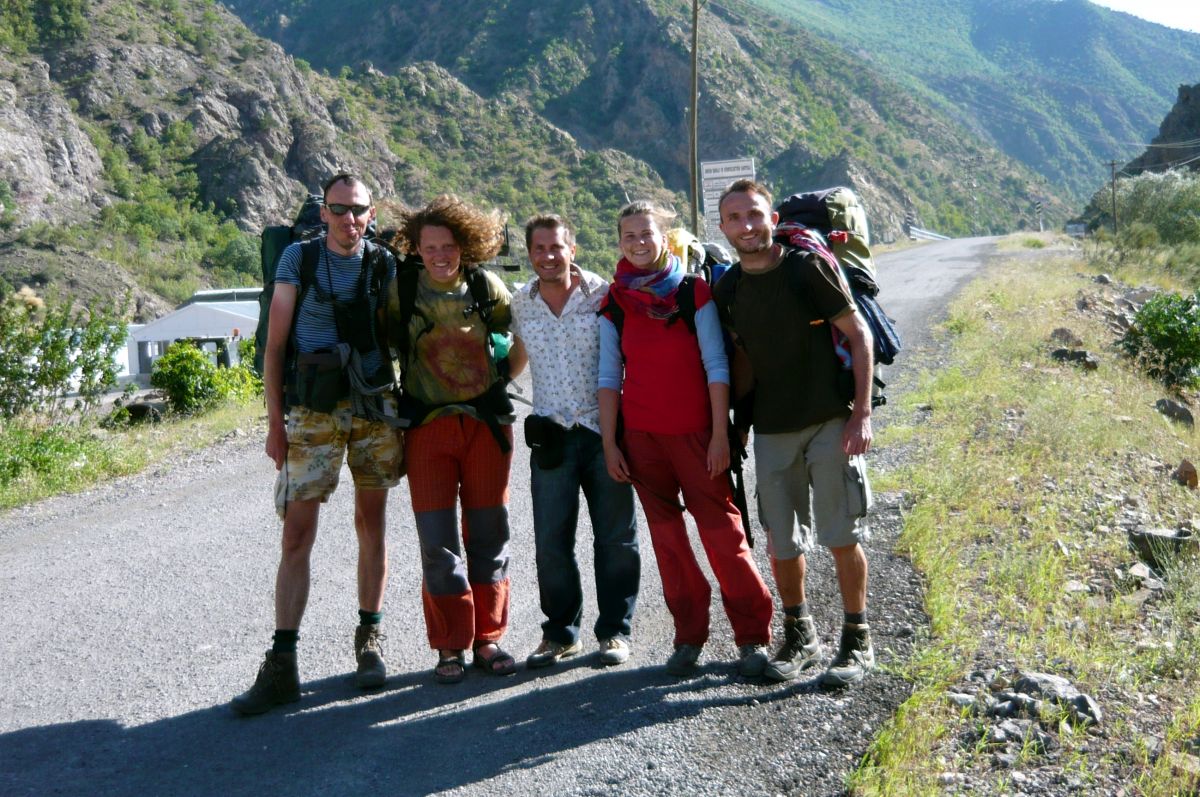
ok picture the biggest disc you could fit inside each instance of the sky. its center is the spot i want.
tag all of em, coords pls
(1184, 14)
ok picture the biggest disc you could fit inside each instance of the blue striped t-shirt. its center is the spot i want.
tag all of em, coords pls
(337, 277)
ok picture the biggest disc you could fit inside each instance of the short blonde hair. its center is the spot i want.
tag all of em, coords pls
(644, 207)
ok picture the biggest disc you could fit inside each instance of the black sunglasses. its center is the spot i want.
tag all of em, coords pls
(338, 209)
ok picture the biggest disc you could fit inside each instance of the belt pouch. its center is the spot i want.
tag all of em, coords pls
(546, 439)
(320, 387)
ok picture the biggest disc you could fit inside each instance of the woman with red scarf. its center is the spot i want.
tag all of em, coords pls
(670, 389)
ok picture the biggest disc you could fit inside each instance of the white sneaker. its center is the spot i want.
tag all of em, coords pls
(614, 650)
(551, 652)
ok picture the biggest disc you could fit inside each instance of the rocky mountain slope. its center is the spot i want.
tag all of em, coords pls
(145, 147)
(1177, 144)
(144, 143)
(617, 75)
(1060, 85)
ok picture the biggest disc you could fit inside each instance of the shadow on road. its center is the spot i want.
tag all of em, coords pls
(412, 737)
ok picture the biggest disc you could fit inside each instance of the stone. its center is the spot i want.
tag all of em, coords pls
(1186, 475)
(1066, 337)
(1074, 586)
(1087, 710)
(1005, 708)
(1014, 729)
(1043, 742)
(1086, 359)
(961, 700)
(1185, 766)
(1141, 571)
(1158, 547)
(1176, 412)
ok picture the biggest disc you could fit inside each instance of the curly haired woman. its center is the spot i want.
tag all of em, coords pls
(460, 444)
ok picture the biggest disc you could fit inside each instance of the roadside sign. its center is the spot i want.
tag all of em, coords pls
(715, 176)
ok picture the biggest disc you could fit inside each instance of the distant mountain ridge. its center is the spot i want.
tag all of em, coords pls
(144, 143)
(615, 74)
(1060, 85)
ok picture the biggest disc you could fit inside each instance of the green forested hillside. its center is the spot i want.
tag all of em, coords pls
(1060, 85)
(144, 143)
(616, 75)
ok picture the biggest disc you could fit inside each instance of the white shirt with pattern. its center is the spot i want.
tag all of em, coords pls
(564, 351)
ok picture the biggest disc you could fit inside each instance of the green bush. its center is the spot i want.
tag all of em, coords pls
(188, 378)
(1167, 203)
(247, 349)
(239, 382)
(1165, 336)
(193, 383)
(48, 351)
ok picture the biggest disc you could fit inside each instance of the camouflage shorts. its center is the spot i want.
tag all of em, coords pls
(317, 443)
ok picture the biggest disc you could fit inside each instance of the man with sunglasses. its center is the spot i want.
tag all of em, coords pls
(325, 298)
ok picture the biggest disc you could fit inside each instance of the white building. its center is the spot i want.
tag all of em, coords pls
(213, 315)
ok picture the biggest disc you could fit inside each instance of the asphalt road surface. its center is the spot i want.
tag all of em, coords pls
(130, 614)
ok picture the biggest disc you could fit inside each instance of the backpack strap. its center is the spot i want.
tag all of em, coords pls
(686, 297)
(482, 302)
(613, 311)
(310, 255)
(407, 274)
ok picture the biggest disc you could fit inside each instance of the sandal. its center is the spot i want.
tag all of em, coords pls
(450, 669)
(499, 663)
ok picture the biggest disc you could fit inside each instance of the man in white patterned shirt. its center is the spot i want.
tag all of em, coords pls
(555, 326)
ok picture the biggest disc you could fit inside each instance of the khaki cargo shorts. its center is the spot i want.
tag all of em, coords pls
(317, 443)
(809, 491)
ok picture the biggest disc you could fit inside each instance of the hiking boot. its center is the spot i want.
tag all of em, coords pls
(550, 652)
(800, 650)
(278, 682)
(614, 650)
(684, 661)
(854, 657)
(368, 652)
(752, 660)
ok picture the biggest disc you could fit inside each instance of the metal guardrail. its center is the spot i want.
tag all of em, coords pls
(917, 234)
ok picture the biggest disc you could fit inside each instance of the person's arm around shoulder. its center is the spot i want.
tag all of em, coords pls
(608, 396)
(856, 438)
(279, 328)
(716, 366)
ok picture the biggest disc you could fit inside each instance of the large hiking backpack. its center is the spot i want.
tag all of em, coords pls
(861, 283)
(838, 215)
(862, 289)
(310, 231)
(275, 239)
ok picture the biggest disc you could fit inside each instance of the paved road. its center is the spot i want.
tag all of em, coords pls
(130, 614)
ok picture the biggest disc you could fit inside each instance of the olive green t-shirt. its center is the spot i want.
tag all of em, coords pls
(783, 321)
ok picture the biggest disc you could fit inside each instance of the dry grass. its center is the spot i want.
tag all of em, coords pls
(1022, 469)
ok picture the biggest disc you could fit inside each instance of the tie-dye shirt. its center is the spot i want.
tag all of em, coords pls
(450, 362)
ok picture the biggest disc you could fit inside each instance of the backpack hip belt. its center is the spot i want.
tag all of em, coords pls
(321, 360)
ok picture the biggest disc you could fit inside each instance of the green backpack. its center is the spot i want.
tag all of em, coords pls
(275, 239)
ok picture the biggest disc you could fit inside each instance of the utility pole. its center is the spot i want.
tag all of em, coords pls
(694, 150)
(1113, 166)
